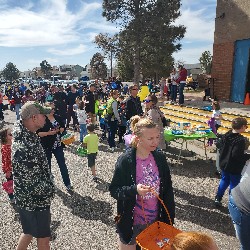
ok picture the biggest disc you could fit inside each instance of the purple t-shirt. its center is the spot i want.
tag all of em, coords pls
(147, 174)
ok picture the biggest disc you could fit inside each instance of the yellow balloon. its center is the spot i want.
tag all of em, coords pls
(143, 93)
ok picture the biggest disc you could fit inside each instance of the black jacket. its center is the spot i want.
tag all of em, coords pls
(133, 107)
(90, 105)
(232, 156)
(48, 141)
(124, 189)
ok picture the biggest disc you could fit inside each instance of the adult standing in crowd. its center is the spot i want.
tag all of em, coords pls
(181, 80)
(139, 171)
(119, 84)
(22, 88)
(60, 98)
(50, 135)
(17, 94)
(239, 208)
(33, 186)
(90, 102)
(173, 77)
(1, 106)
(154, 113)
(71, 100)
(133, 103)
(113, 118)
(162, 85)
(232, 158)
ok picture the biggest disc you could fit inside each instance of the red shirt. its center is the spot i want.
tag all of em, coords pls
(6, 158)
(183, 76)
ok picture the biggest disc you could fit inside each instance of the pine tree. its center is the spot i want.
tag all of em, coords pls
(206, 62)
(10, 72)
(148, 34)
(98, 66)
(46, 69)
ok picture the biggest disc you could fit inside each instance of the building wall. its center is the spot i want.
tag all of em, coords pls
(232, 23)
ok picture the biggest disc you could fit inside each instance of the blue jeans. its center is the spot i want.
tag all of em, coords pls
(241, 223)
(17, 109)
(173, 92)
(112, 128)
(59, 155)
(181, 95)
(227, 179)
(83, 131)
(1, 111)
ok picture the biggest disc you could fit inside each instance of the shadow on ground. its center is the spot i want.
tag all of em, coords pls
(87, 208)
(102, 185)
(189, 164)
(200, 210)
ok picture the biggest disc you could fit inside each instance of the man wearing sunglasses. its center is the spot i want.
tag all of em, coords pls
(133, 103)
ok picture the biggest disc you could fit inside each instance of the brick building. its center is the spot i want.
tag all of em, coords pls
(231, 67)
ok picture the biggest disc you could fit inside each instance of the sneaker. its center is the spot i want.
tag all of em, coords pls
(95, 178)
(217, 173)
(69, 188)
(13, 201)
(217, 202)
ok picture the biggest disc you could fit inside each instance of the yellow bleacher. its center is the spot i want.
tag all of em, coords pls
(199, 117)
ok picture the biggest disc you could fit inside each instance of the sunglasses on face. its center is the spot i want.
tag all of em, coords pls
(147, 101)
(9, 134)
(135, 89)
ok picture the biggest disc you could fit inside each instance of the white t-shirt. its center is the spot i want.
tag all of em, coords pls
(81, 116)
(173, 78)
(216, 114)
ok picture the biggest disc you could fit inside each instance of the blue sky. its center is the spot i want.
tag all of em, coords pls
(62, 31)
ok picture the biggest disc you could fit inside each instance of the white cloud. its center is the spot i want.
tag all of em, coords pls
(69, 51)
(52, 25)
(198, 18)
(198, 27)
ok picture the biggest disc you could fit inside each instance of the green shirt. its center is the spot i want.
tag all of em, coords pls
(92, 143)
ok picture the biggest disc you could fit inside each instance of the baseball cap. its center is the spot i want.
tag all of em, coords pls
(33, 108)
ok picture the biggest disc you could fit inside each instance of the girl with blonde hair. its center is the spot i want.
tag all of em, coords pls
(138, 171)
(193, 241)
(130, 134)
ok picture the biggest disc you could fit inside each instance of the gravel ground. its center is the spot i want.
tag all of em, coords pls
(84, 220)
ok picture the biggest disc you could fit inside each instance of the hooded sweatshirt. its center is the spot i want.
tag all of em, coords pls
(232, 156)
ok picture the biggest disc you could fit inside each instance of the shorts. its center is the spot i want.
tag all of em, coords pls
(36, 223)
(137, 229)
(91, 159)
